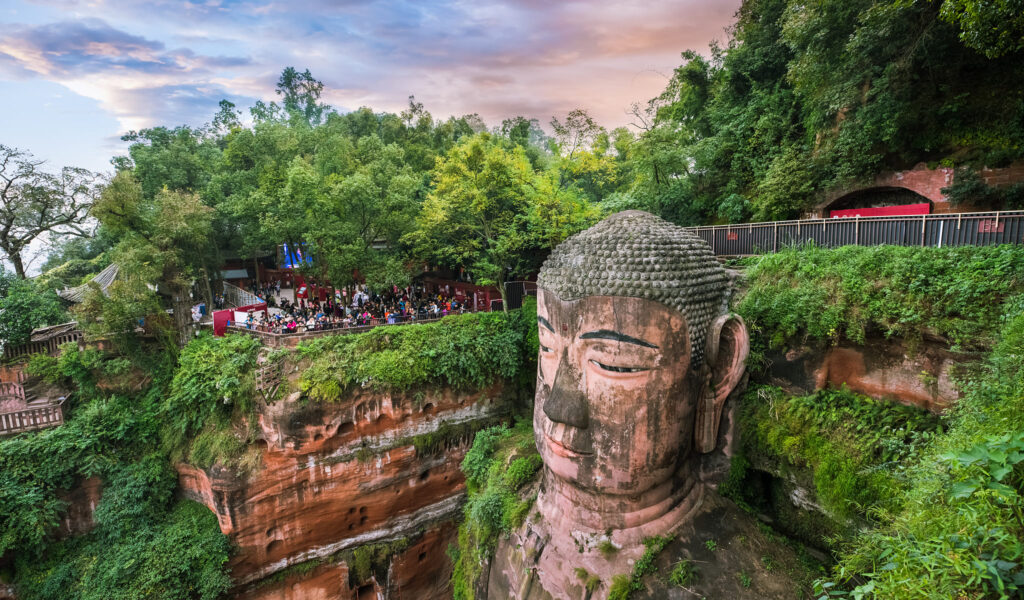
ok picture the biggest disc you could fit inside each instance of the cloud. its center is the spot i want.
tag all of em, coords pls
(165, 62)
(135, 78)
(76, 48)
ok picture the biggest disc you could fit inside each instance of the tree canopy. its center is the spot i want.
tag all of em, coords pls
(800, 99)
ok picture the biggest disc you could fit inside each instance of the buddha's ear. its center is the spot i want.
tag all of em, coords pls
(728, 344)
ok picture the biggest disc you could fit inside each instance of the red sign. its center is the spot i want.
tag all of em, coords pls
(990, 226)
(884, 211)
(731, 236)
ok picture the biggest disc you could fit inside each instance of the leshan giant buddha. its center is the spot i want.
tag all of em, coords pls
(638, 355)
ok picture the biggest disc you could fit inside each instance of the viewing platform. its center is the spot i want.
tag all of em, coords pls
(280, 340)
(47, 340)
(20, 411)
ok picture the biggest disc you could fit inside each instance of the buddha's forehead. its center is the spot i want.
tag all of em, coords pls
(636, 254)
(622, 314)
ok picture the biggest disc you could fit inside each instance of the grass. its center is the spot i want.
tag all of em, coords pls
(684, 574)
(811, 293)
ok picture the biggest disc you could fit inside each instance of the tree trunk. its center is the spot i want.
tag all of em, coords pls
(19, 267)
(208, 290)
(256, 268)
(501, 290)
(182, 306)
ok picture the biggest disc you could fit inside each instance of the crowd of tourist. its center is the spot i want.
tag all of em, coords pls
(365, 309)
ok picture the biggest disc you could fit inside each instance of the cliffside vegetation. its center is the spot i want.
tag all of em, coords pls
(466, 351)
(915, 506)
(189, 408)
(500, 464)
(145, 543)
(960, 295)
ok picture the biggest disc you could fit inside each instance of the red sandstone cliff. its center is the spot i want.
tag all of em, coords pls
(337, 477)
(881, 368)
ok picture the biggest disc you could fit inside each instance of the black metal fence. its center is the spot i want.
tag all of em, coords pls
(956, 229)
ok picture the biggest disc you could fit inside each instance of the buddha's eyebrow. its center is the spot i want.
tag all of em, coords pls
(545, 323)
(608, 334)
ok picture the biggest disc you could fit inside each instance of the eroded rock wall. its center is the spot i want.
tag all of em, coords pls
(372, 468)
(881, 368)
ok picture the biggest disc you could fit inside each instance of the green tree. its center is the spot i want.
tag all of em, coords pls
(24, 306)
(300, 94)
(490, 212)
(164, 249)
(363, 216)
(992, 27)
(34, 203)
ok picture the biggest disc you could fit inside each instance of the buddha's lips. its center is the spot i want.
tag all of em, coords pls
(561, 450)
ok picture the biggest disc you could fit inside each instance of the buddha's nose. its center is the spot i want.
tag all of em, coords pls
(566, 403)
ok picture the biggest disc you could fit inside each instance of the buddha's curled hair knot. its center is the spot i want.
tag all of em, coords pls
(636, 254)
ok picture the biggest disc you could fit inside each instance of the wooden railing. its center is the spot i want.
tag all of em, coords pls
(955, 229)
(12, 389)
(50, 346)
(32, 419)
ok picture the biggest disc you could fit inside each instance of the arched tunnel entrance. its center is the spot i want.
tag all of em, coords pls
(878, 201)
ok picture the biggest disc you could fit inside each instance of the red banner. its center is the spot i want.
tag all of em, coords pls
(923, 208)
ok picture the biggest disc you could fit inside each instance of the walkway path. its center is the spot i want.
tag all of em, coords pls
(955, 229)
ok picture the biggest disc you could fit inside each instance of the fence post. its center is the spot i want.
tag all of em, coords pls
(775, 238)
(924, 224)
(856, 231)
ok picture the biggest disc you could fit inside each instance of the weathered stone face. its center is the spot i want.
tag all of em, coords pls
(614, 412)
(638, 355)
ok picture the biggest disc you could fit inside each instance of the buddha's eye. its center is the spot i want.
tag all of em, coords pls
(614, 369)
(545, 349)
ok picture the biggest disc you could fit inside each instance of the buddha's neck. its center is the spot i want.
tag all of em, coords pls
(630, 518)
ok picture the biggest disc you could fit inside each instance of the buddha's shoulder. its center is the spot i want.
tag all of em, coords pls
(722, 553)
(726, 553)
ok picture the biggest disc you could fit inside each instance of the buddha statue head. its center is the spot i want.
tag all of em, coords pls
(638, 353)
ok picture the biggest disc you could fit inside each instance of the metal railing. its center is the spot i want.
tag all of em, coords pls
(954, 229)
(31, 419)
(282, 339)
(50, 346)
(236, 296)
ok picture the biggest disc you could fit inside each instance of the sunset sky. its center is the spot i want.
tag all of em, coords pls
(75, 75)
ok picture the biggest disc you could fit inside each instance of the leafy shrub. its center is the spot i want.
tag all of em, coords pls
(460, 351)
(684, 574)
(501, 461)
(958, 527)
(178, 554)
(144, 545)
(819, 294)
(214, 381)
(522, 470)
(34, 467)
(622, 586)
(853, 445)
